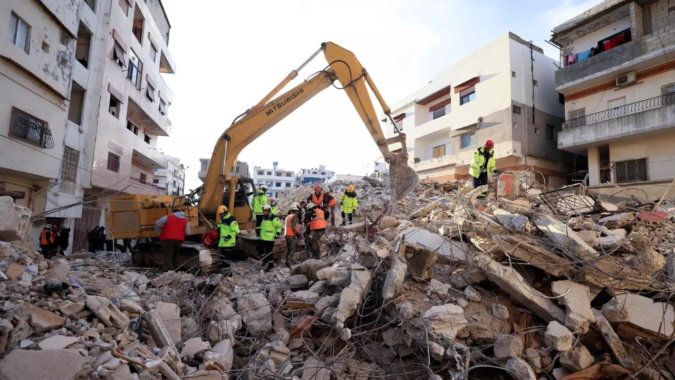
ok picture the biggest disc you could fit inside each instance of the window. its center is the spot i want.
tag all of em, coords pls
(631, 171)
(76, 103)
(83, 45)
(150, 93)
(118, 54)
(288, 184)
(71, 158)
(114, 106)
(438, 113)
(288, 174)
(561, 98)
(323, 173)
(137, 27)
(616, 103)
(513, 74)
(30, 129)
(131, 127)
(516, 110)
(438, 151)
(135, 72)
(19, 32)
(91, 4)
(143, 178)
(468, 140)
(162, 107)
(153, 53)
(155, 181)
(278, 184)
(147, 139)
(579, 114)
(269, 173)
(124, 4)
(467, 95)
(550, 132)
(260, 172)
(113, 162)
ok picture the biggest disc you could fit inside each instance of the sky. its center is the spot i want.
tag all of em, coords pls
(230, 54)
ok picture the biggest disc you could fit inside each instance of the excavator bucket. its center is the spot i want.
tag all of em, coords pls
(403, 179)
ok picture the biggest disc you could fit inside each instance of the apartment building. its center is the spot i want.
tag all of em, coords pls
(39, 149)
(505, 92)
(240, 169)
(619, 88)
(279, 181)
(312, 175)
(171, 179)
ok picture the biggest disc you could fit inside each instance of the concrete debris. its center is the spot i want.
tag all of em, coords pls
(445, 281)
(15, 220)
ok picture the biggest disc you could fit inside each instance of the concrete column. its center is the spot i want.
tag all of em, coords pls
(636, 27)
(593, 166)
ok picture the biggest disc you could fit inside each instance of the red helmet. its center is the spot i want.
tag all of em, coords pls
(272, 200)
(317, 189)
(489, 144)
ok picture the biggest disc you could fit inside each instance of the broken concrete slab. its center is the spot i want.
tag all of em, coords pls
(615, 310)
(561, 234)
(43, 364)
(613, 342)
(68, 307)
(444, 322)
(351, 297)
(57, 342)
(44, 320)
(193, 346)
(577, 300)
(325, 302)
(15, 219)
(451, 249)
(394, 279)
(648, 261)
(618, 220)
(519, 369)
(558, 337)
(577, 359)
(421, 266)
(513, 283)
(424, 211)
(646, 317)
(508, 346)
(108, 313)
(472, 294)
(484, 328)
(536, 256)
(465, 277)
(169, 313)
(590, 237)
(256, 313)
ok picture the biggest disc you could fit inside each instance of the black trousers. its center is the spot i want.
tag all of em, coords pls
(344, 220)
(263, 248)
(480, 181)
(258, 222)
(127, 244)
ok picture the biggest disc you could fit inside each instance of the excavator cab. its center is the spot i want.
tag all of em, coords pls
(238, 202)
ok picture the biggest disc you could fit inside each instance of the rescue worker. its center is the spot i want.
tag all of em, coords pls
(483, 165)
(228, 229)
(270, 228)
(301, 210)
(316, 197)
(292, 233)
(329, 203)
(47, 241)
(220, 212)
(172, 230)
(100, 239)
(317, 226)
(57, 237)
(259, 200)
(91, 239)
(273, 205)
(349, 204)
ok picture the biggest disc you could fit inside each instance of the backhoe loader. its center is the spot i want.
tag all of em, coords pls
(134, 216)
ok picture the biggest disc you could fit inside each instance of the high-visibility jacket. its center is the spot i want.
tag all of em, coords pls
(479, 161)
(259, 200)
(46, 237)
(269, 228)
(349, 202)
(274, 211)
(289, 224)
(174, 229)
(318, 201)
(330, 200)
(228, 227)
(318, 222)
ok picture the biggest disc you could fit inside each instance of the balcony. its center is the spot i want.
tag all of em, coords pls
(648, 116)
(149, 156)
(146, 187)
(434, 163)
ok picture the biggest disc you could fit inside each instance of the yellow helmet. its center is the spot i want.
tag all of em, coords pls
(351, 188)
(222, 209)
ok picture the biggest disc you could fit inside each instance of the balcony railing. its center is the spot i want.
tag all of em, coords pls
(627, 109)
(146, 183)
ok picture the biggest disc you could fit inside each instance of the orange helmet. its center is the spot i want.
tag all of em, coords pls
(317, 189)
(489, 144)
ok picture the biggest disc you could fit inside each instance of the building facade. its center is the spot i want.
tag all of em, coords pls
(619, 90)
(240, 169)
(279, 181)
(319, 174)
(504, 92)
(172, 179)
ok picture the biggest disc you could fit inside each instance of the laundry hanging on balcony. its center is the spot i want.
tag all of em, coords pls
(583, 55)
(570, 59)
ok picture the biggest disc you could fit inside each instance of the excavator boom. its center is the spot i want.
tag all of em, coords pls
(348, 71)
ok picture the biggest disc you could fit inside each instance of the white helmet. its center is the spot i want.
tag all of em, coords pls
(267, 207)
(293, 208)
(48, 226)
(310, 206)
(263, 188)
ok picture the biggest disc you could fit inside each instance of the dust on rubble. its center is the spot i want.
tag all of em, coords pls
(448, 286)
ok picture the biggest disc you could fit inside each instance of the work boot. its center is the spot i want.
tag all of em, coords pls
(270, 266)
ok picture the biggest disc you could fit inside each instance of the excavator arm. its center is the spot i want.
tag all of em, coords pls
(353, 78)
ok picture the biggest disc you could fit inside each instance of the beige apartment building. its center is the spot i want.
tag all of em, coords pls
(619, 88)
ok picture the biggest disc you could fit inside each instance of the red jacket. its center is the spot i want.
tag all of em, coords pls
(174, 229)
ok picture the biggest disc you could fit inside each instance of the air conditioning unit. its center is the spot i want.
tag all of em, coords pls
(626, 79)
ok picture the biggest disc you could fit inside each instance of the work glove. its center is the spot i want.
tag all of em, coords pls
(483, 170)
(228, 237)
(276, 236)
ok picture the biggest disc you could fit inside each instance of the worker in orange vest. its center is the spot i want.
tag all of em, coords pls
(316, 197)
(292, 233)
(329, 203)
(317, 225)
(172, 230)
(47, 240)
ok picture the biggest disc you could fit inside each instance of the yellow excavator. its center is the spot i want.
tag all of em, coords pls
(134, 216)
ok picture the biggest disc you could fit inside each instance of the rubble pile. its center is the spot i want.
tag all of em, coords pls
(450, 286)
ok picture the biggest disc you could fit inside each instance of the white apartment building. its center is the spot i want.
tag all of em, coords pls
(312, 175)
(487, 95)
(279, 181)
(620, 101)
(240, 169)
(172, 179)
